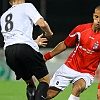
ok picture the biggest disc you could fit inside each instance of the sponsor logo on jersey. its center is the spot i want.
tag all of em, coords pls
(95, 47)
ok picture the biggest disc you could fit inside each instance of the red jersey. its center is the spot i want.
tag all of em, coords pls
(85, 57)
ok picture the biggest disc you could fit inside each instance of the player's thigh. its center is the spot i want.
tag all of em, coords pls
(61, 78)
(38, 67)
(58, 82)
(12, 62)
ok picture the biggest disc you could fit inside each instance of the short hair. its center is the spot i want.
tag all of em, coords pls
(98, 7)
(13, 0)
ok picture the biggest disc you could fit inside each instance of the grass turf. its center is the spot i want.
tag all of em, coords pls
(16, 90)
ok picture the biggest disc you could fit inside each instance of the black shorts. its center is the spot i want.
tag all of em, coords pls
(25, 61)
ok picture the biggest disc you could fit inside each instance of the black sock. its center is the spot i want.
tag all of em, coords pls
(41, 91)
(30, 92)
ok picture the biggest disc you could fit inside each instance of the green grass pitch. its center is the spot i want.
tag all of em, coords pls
(16, 90)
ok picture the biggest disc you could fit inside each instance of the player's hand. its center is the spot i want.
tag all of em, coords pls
(41, 41)
(98, 94)
(44, 59)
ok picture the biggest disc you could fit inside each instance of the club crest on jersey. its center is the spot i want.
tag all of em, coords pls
(95, 47)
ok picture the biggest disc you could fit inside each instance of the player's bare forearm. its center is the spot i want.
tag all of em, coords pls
(58, 49)
(45, 27)
(47, 30)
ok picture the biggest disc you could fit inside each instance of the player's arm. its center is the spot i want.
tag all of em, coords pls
(62, 46)
(45, 27)
(98, 92)
(41, 41)
(37, 19)
(57, 50)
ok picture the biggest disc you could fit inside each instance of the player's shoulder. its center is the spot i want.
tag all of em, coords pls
(28, 4)
(4, 14)
(82, 27)
(87, 25)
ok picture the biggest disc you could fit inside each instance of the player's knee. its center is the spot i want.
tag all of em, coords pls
(82, 87)
(78, 87)
(45, 79)
(77, 90)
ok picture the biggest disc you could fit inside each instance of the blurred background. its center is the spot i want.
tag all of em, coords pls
(62, 16)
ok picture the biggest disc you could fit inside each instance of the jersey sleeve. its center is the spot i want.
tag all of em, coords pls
(32, 12)
(73, 37)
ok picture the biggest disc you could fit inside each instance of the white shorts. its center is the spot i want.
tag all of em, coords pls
(65, 75)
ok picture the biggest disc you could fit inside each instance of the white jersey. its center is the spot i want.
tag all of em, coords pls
(17, 25)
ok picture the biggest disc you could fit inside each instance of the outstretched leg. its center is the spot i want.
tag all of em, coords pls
(42, 88)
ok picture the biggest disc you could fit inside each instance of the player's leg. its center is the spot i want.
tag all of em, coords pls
(42, 88)
(52, 92)
(39, 69)
(58, 82)
(54, 87)
(79, 85)
(20, 67)
(31, 88)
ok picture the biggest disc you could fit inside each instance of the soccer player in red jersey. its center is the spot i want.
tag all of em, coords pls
(79, 68)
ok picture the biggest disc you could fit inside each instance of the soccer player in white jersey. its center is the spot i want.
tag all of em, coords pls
(22, 53)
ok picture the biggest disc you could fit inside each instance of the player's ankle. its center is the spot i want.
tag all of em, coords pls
(30, 92)
(72, 97)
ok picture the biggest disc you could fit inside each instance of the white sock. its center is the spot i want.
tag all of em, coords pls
(72, 97)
